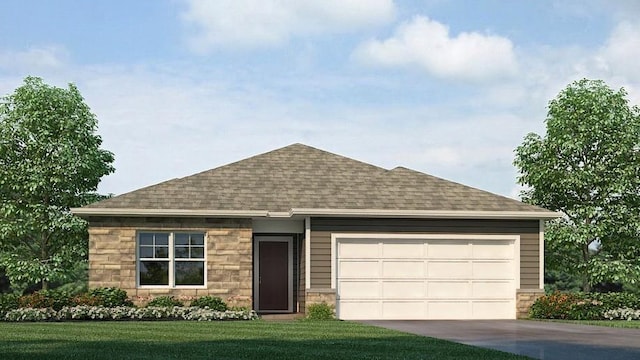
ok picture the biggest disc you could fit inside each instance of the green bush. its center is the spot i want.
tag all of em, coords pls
(107, 297)
(211, 302)
(46, 299)
(8, 302)
(580, 306)
(165, 301)
(321, 311)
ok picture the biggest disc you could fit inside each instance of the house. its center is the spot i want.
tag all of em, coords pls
(297, 225)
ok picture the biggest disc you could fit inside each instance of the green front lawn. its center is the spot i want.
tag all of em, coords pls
(633, 324)
(225, 340)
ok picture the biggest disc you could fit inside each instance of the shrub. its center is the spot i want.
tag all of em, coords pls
(321, 311)
(8, 302)
(126, 313)
(108, 297)
(211, 302)
(46, 299)
(622, 314)
(165, 301)
(580, 306)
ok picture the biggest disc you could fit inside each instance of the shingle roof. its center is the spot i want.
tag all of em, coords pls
(300, 176)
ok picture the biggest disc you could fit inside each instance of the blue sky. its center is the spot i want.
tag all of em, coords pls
(449, 88)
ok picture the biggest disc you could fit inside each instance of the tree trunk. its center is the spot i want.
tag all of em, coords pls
(586, 283)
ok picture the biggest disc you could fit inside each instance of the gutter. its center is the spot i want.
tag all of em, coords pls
(312, 212)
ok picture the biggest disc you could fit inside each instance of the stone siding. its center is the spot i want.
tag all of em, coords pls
(524, 299)
(112, 256)
(317, 296)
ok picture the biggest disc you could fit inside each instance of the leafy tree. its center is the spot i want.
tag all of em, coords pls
(588, 167)
(51, 160)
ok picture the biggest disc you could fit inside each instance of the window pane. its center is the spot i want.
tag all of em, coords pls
(181, 252)
(197, 253)
(197, 239)
(146, 239)
(154, 273)
(146, 251)
(162, 252)
(182, 239)
(162, 239)
(189, 273)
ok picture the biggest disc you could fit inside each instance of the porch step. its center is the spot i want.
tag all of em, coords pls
(282, 317)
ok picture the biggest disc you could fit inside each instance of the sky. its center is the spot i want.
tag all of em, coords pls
(449, 88)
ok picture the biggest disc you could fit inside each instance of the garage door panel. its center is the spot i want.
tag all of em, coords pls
(403, 250)
(403, 269)
(449, 269)
(403, 290)
(492, 309)
(492, 270)
(364, 249)
(403, 310)
(359, 289)
(493, 250)
(492, 289)
(360, 310)
(449, 290)
(449, 249)
(453, 310)
(359, 269)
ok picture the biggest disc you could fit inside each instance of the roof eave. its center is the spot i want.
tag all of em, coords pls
(299, 212)
(427, 214)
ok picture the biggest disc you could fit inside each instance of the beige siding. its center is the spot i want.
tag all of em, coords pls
(322, 228)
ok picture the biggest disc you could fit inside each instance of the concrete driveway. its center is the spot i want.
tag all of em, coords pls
(540, 340)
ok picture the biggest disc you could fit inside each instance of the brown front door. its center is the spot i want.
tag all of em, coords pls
(273, 275)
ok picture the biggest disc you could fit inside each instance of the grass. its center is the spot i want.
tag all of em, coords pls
(633, 324)
(225, 340)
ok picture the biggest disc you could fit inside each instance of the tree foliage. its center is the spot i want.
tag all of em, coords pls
(588, 167)
(51, 160)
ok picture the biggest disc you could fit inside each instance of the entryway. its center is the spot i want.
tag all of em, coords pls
(273, 274)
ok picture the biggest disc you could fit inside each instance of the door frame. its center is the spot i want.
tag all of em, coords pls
(256, 269)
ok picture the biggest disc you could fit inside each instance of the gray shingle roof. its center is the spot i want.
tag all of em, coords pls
(300, 176)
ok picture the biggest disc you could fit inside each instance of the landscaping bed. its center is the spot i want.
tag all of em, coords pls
(113, 304)
(587, 306)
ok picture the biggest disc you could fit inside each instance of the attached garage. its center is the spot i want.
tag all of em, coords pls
(428, 276)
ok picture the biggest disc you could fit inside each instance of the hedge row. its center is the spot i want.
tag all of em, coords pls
(84, 312)
(586, 306)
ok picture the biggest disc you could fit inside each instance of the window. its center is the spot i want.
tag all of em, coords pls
(171, 259)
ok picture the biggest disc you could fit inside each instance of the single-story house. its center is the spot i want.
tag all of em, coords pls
(298, 225)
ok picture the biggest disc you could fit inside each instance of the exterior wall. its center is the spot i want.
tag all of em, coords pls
(316, 296)
(321, 229)
(301, 278)
(112, 256)
(524, 300)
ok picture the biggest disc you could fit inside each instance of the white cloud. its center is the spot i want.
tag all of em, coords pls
(619, 56)
(34, 58)
(427, 44)
(250, 24)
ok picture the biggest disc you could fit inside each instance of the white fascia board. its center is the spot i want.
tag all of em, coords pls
(428, 213)
(167, 212)
(305, 212)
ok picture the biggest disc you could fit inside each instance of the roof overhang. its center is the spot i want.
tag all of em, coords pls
(304, 212)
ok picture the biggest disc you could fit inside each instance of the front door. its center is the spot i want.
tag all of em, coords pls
(274, 267)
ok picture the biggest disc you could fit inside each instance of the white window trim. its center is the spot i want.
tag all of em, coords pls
(171, 260)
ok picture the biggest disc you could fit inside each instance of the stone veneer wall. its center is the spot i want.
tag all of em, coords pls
(524, 299)
(317, 296)
(112, 256)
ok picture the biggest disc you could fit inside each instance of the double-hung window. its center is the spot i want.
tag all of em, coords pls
(171, 259)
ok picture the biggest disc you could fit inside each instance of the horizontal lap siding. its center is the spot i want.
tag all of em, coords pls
(322, 228)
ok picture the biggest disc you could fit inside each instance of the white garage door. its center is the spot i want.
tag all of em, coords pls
(426, 277)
